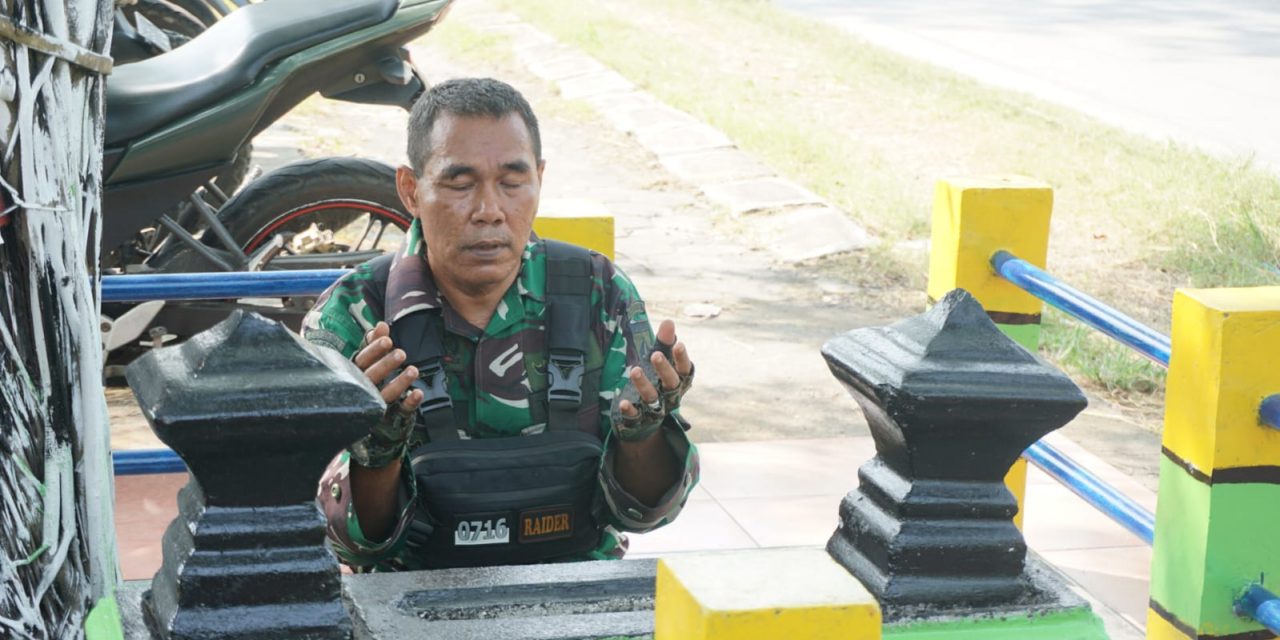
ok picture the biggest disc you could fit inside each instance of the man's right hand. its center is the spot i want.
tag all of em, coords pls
(378, 359)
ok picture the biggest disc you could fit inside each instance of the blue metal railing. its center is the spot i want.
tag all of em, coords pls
(214, 286)
(1269, 413)
(138, 462)
(1141, 338)
(1261, 605)
(1092, 489)
(1083, 307)
(202, 286)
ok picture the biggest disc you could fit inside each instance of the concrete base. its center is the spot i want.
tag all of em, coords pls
(607, 599)
(614, 599)
(1051, 611)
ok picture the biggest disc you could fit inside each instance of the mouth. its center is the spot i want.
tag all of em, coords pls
(488, 247)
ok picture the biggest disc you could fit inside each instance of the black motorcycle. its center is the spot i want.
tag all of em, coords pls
(177, 124)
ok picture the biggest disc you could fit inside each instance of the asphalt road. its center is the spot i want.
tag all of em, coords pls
(1204, 73)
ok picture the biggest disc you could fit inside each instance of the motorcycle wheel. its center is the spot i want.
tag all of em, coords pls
(354, 198)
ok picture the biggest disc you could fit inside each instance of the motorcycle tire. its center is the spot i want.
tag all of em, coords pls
(330, 193)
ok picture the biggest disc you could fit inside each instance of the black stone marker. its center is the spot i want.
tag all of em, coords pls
(256, 413)
(951, 402)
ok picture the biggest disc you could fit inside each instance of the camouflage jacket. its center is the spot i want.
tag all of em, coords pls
(495, 375)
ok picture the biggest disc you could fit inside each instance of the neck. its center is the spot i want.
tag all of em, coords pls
(475, 303)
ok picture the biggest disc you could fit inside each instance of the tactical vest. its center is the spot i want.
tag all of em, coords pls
(512, 500)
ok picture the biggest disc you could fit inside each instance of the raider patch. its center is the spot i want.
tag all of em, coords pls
(551, 523)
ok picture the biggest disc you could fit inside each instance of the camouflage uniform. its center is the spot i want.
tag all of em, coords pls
(499, 376)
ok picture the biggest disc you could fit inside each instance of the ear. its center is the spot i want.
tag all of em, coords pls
(407, 187)
(542, 164)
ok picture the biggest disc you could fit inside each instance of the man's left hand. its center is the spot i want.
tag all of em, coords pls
(675, 379)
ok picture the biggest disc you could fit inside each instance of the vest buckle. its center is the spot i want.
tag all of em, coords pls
(565, 372)
(431, 381)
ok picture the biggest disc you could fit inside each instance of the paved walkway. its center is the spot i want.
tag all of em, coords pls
(1206, 73)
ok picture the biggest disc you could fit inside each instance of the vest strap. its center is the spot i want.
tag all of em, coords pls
(568, 329)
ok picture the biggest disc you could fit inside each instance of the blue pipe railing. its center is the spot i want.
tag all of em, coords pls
(138, 462)
(1269, 413)
(214, 286)
(1093, 490)
(1081, 306)
(1261, 605)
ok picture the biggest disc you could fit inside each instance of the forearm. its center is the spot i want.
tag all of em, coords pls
(646, 469)
(373, 494)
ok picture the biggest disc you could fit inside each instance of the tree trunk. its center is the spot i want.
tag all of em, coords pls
(57, 547)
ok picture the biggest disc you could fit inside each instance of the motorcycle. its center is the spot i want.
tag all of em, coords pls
(177, 122)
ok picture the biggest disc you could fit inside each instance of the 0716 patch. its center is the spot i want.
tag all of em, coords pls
(482, 528)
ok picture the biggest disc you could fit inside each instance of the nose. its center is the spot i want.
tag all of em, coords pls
(489, 205)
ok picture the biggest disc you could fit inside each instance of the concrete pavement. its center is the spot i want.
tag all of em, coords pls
(1206, 74)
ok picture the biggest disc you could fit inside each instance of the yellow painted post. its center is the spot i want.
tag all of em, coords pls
(761, 594)
(582, 222)
(1219, 468)
(973, 218)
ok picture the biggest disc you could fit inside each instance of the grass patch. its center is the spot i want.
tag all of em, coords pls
(473, 44)
(1097, 358)
(872, 131)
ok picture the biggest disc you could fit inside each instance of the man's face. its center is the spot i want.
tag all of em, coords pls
(476, 199)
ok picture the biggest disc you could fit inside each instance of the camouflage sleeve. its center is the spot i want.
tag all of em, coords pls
(342, 527)
(631, 339)
(344, 312)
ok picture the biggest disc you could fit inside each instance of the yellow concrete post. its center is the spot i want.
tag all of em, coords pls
(1219, 468)
(761, 594)
(582, 222)
(973, 218)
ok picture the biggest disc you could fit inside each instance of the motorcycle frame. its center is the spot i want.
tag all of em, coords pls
(148, 176)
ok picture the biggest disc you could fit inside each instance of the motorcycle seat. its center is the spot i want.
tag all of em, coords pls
(147, 95)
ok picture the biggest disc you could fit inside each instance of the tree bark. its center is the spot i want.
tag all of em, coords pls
(57, 546)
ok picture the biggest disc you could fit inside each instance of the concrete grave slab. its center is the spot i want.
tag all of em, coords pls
(745, 196)
(682, 139)
(593, 84)
(715, 166)
(538, 602)
(811, 232)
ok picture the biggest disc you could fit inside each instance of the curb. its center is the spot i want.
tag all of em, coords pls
(790, 221)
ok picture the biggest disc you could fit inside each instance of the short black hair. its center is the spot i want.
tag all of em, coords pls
(466, 97)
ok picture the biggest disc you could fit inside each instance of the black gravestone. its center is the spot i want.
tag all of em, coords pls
(256, 413)
(951, 402)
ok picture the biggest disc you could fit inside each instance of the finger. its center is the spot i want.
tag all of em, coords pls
(667, 332)
(411, 401)
(372, 353)
(629, 410)
(396, 388)
(666, 373)
(642, 384)
(684, 364)
(378, 371)
(379, 330)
